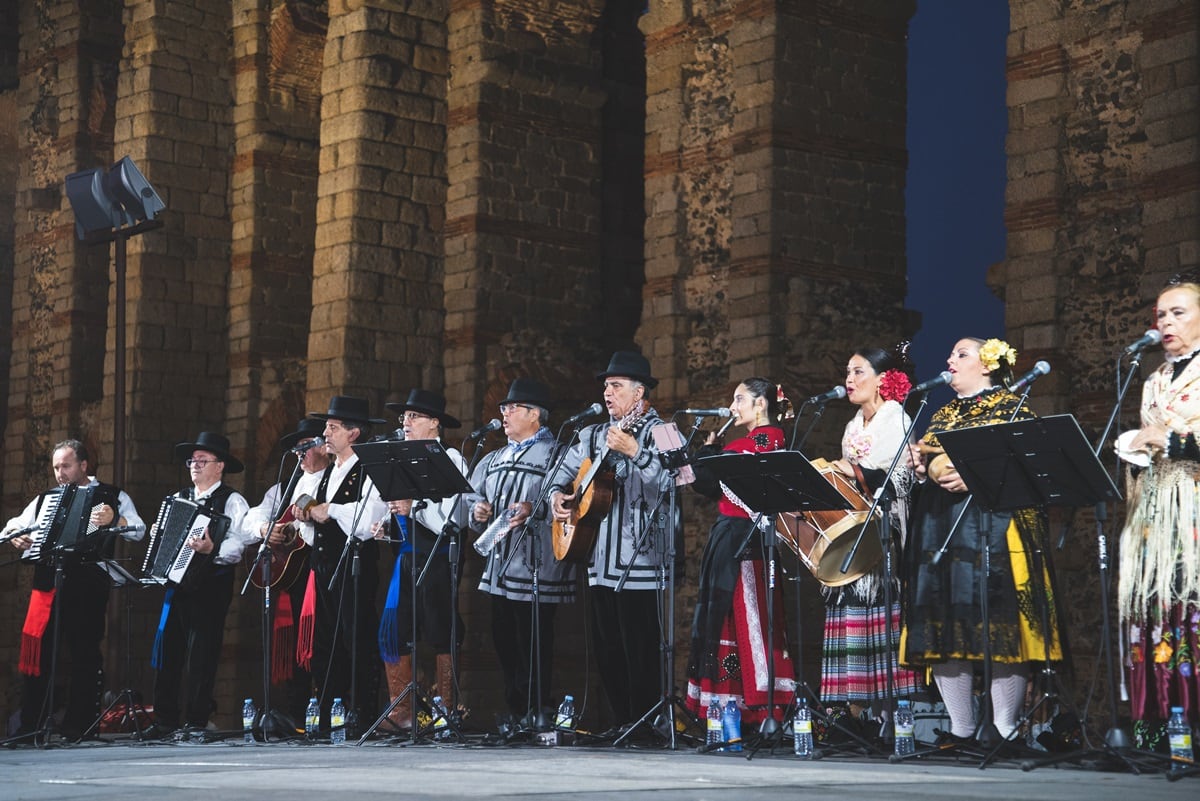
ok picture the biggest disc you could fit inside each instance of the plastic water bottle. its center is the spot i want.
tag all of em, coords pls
(905, 742)
(1180, 735)
(802, 741)
(565, 719)
(731, 725)
(312, 719)
(715, 731)
(249, 715)
(337, 723)
(441, 728)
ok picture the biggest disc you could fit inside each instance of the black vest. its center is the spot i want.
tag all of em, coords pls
(328, 538)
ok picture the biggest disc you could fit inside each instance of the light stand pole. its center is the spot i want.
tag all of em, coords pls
(114, 206)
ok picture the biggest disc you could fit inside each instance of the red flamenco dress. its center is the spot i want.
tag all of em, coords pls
(729, 631)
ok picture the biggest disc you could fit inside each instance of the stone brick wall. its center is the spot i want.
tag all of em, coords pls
(1102, 205)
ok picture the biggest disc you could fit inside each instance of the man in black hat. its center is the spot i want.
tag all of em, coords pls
(82, 600)
(342, 643)
(192, 624)
(289, 588)
(511, 481)
(630, 541)
(416, 524)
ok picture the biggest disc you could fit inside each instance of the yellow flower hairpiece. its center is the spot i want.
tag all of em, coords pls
(993, 350)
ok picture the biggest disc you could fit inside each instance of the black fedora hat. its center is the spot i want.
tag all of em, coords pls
(424, 401)
(348, 409)
(628, 364)
(527, 390)
(215, 444)
(309, 427)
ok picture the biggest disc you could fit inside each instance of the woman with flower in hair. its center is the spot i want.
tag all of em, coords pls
(861, 633)
(1158, 582)
(943, 624)
(729, 658)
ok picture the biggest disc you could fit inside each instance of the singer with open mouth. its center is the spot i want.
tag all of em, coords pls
(858, 645)
(1158, 574)
(944, 625)
(728, 660)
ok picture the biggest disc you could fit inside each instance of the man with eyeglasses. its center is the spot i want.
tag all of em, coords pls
(81, 601)
(192, 623)
(289, 588)
(338, 623)
(511, 480)
(415, 524)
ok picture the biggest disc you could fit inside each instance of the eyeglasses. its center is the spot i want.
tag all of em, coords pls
(416, 416)
(201, 463)
(507, 408)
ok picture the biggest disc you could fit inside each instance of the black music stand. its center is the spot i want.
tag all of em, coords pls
(770, 484)
(1046, 461)
(1042, 462)
(410, 470)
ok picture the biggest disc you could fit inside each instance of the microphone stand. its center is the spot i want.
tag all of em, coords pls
(352, 547)
(673, 461)
(986, 733)
(812, 424)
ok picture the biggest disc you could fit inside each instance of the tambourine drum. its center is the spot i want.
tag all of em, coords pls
(822, 539)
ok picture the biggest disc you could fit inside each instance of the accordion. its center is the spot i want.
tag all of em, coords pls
(169, 559)
(64, 523)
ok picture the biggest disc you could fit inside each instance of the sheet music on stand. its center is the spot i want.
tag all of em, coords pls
(667, 438)
(1046, 461)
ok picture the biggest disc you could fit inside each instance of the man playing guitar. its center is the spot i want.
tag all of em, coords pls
(289, 569)
(629, 542)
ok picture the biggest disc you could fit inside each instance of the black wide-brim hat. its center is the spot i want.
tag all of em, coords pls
(529, 391)
(627, 364)
(348, 409)
(309, 427)
(424, 401)
(215, 444)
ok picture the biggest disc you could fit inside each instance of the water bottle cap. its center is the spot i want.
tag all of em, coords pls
(903, 702)
(337, 700)
(569, 697)
(1176, 710)
(248, 701)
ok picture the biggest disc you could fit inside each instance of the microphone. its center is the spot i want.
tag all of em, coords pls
(1151, 337)
(1040, 369)
(837, 393)
(483, 431)
(944, 377)
(137, 528)
(594, 409)
(315, 442)
(722, 412)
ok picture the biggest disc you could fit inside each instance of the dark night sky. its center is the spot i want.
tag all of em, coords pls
(956, 173)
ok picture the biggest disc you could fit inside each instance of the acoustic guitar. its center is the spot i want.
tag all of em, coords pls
(288, 557)
(593, 488)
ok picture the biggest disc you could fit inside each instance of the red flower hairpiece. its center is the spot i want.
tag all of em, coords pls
(894, 385)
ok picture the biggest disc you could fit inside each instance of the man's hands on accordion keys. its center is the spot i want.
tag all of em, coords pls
(201, 544)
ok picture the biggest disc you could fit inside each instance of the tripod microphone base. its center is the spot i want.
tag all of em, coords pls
(1116, 737)
(769, 727)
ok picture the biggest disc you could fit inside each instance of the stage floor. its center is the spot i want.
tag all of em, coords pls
(233, 770)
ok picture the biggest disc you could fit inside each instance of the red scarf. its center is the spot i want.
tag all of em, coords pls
(308, 620)
(36, 620)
